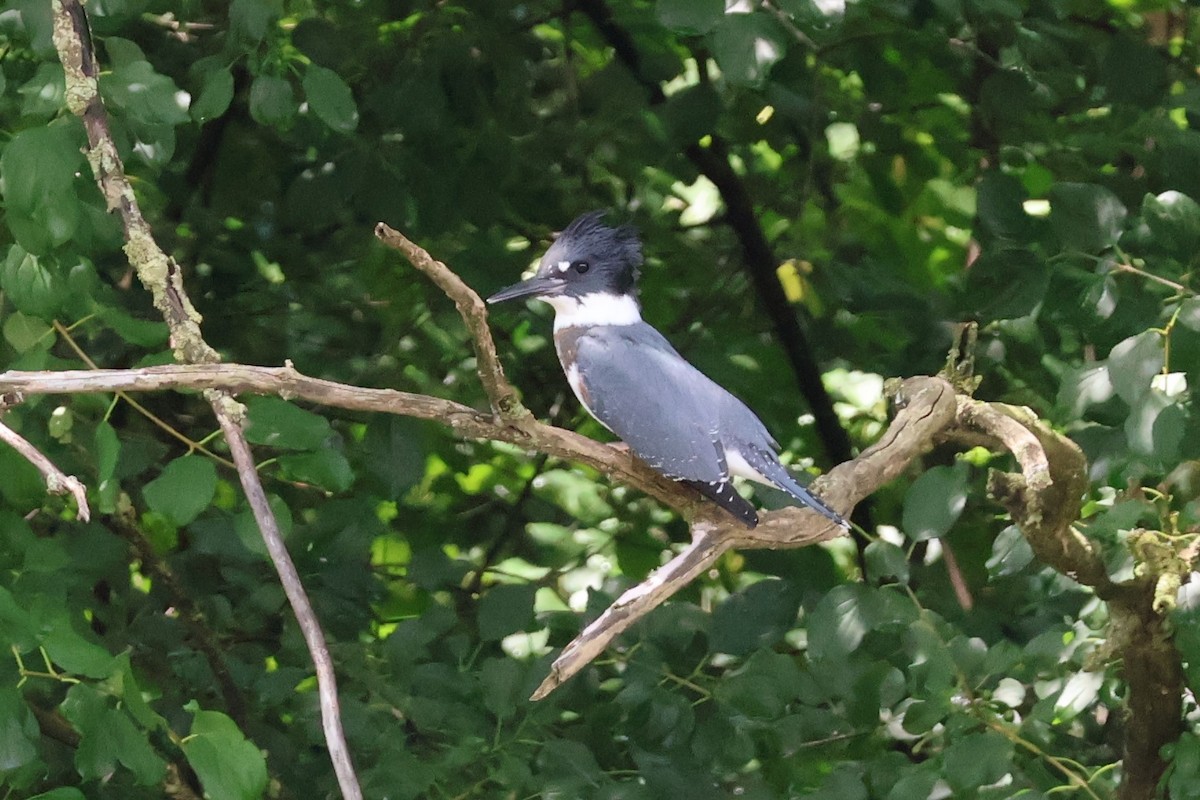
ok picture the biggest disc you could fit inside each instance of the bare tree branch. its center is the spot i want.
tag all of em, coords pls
(162, 277)
(928, 409)
(1044, 498)
(310, 626)
(288, 383)
(474, 314)
(57, 482)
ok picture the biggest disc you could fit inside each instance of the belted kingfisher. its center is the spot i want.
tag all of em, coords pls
(630, 378)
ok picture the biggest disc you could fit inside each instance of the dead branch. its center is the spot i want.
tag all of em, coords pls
(1044, 497)
(57, 482)
(474, 314)
(289, 383)
(929, 408)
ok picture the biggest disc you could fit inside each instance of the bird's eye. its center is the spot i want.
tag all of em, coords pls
(581, 266)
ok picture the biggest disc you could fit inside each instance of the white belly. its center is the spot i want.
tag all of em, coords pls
(741, 468)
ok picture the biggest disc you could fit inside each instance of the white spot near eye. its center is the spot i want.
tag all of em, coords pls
(563, 266)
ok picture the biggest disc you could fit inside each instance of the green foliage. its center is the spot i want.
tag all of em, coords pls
(1031, 167)
(228, 765)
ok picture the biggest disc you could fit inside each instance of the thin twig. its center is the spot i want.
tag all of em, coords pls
(310, 626)
(1132, 270)
(474, 314)
(57, 481)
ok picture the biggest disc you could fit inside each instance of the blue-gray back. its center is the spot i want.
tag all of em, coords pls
(668, 412)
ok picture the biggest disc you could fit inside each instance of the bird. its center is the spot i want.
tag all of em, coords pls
(629, 377)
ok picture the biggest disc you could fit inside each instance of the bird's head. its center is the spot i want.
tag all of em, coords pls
(590, 264)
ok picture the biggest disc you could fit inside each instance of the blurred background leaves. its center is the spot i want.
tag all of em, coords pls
(1033, 167)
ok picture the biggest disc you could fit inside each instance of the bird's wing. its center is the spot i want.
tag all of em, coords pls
(635, 383)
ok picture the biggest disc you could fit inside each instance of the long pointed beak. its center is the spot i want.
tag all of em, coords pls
(537, 286)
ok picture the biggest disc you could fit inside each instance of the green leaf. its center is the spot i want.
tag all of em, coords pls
(501, 680)
(124, 687)
(1134, 72)
(42, 204)
(1174, 220)
(838, 624)
(66, 793)
(87, 711)
(746, 46)
(229, 766)
(32, 286)
(1086, 217)
(74, 653)
(330, 98)
(922, 716)
(22, 488)
(1011, 553)
(1080, 692)
(17, 627)
(249, 20)
(272, 101)
(1155, 427)
(978, 759)
(762, 688)
(758, 616)
(142, 332)
(1007, 284)
(1167, 432)
(328, 469)
(1189, 314)
(18, 731)
(934, 502)
(1083, 387)
(216, 93)
(886, 561)
(689, 113)
(147, 97)
(1000, 200)
(504, 610)
(395, 450)
(26, 332)
(122, 52)
(844, 783)
(278, 423)
(184, 489)
(1184, 773)
(1133, 363)
(689, 16)
(914, 785)
(44, 93)
(134, 749)
(49, 556)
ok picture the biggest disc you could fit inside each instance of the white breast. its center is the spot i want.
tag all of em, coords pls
(598, 308)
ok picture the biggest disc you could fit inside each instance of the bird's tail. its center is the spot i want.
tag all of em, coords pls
(778, 475)
(723, 494)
